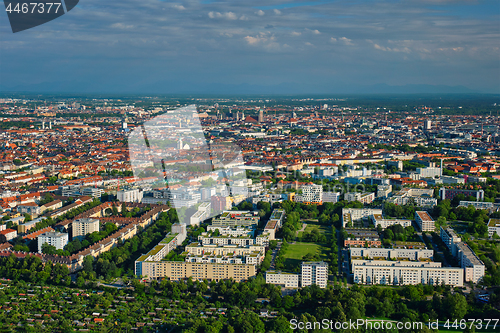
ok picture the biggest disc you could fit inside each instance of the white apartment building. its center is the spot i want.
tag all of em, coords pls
(57, 239)
(424, 221)
(314, 272)
(287, 280)
(473, 266)
(450, 239)
(232, 231)
(405, 273)
(134, 195)
(332, 197)
(476, 204)
(410, 254)
(364, 198)
(378, 219)
(81, 227)
(356, 214)
(93, 192)
(493, 227)
(383, 191)
(310, 194)
(201, 214)
(429, 172)
(206, 239)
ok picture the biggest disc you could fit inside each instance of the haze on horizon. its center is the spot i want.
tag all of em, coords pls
(153, 46)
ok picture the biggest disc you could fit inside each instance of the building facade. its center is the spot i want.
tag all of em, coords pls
(314, 273)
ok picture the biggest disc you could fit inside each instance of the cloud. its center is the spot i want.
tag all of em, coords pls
(346, 40)
(178, 7)
(122, 26)
(260, 12)
(316, 32)
(277, 11)
(333, 39)
(296, 33)
(227, 15)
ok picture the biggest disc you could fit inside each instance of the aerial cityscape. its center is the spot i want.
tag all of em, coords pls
(277, 166)
(299, 210)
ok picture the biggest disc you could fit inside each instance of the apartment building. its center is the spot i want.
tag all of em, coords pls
(132, 195)
(274, 224)
(424, 221)
(383, 191)
(405, 273)
(314, 272)
(450, 193)
(57, 239)
(364, 198)
(351, 215)
(450, 239)
(494, 227)
(287, 280)
(332, 197)
(378, 219)
(201, 214)
(421, 197)
(410, 254)
(311, 194)
(180, 270)
(477, 204)
(81, 227)
(469, 261)
(236, 218)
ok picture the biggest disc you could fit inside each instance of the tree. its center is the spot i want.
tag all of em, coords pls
(456, 306)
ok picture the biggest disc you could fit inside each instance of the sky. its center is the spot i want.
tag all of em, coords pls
(256, 46)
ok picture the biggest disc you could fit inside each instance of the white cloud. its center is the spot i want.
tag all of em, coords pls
(346, 40)
(333, 40)
(295, 33)
(121, 26)
(178, 7)
(226, 15)
(261, 12)
(277, 11)
(316, 32)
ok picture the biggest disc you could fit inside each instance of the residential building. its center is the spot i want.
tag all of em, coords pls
(493, 227)
(351, 215)
(470, 262)
(378, 219)
(93, 192)
(311, 194)
(287, 280)
(81, 227)
(419, 196)
(397, 254)
(477, 204)
(314, 273)
(236, 218)
(405, 273)
(383, 191)
(424, 221)
(30, 208)
(450, 193)
(332, 197)
(450, 239)
(56, 239)
(364, 198)
(132, 195)
(7, 235)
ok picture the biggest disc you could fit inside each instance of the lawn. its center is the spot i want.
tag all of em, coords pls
(296, 251)
(312, 225)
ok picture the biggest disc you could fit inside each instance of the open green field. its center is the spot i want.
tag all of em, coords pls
(312, 225)
(296, 251)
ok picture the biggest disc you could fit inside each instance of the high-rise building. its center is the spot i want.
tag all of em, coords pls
(427, 125)
(81, 227)
(56, 239)
(424, 221)
(134, 195)
(314, 272)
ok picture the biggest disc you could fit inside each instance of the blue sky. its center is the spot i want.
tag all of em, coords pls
(256, 46)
